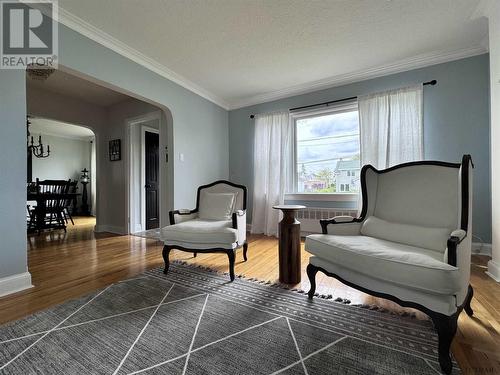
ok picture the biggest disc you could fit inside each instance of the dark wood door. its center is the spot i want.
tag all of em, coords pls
(152, 177)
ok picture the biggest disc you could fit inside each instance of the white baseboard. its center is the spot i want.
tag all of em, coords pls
(15, 283)
(109, 229)
(493, 270)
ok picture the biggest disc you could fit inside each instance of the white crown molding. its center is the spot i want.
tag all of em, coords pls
(416, 62)
(82, 138)
(420, 61)
(99, 36)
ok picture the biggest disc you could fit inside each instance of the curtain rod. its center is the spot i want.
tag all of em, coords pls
(431, 83)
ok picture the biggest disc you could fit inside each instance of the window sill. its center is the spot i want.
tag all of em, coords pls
(334, 197)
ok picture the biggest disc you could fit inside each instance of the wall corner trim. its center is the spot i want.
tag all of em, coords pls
(110, 229)
(15, 283)
(493, 270)
(479, 248)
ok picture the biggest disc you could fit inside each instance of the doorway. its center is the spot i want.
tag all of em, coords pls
(144, 173)
(67, 160)
(151, 176)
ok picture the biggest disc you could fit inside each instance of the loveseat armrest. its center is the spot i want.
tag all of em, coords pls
(341, 225)
(453, 244)
(178, 216)
(240, 224)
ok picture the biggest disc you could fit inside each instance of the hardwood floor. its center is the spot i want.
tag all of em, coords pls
(69, 265)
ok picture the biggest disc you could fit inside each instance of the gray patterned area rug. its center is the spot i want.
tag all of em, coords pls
(193, 321)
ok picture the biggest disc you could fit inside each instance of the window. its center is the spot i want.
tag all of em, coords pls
(327, 150)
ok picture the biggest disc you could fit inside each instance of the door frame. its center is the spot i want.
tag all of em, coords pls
(145, 129)
(134, 194)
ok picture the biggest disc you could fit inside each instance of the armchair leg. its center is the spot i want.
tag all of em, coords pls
(230, 255)
(467, 307)
(245, 248)
(166, 253)
(194, 255)
(446, 327)
(311, 274)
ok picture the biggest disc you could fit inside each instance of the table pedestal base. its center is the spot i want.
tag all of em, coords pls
(289, 248)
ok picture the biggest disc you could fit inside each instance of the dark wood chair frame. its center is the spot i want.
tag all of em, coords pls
(53, 208)
(73, 187)
(229, 252)
(445, 325)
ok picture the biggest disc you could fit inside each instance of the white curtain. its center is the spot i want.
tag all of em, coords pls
(272, 169)
(391, 127)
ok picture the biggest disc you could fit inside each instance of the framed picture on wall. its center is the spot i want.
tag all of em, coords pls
(115, 150)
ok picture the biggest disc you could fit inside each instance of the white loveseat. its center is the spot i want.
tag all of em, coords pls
(217, 224)
(411, 243)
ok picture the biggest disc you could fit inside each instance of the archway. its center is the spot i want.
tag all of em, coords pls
(166, 171)
(69, 154)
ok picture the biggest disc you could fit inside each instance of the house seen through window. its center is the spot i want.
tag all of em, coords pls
(327, 151)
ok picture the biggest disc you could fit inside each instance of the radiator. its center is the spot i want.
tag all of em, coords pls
(310, 217)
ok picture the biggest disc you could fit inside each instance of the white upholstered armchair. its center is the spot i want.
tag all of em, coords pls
(411, 243)
(216, 225)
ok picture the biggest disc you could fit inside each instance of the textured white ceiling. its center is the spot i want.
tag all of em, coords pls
(70, 85)
(59, 129)
(240, 50)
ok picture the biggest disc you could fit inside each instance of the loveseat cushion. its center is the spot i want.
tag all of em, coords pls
(413, 235)
(403, 265)
(200, 231)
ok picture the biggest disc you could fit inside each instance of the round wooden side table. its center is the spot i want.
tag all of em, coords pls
(289, 244)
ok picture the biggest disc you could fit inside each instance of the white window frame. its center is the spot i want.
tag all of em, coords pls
(347, 106)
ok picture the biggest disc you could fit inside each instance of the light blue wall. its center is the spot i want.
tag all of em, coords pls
(13, 258)
(199, 131)
(456, 121)
(199, 126)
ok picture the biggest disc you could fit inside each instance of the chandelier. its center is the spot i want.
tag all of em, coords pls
(39, 72)
(37, 150)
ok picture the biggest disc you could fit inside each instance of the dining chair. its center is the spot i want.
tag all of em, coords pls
(54, 208)
(73, 187)
(31, 188)
(31, 217)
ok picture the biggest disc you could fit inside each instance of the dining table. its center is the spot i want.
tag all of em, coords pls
(41, 200)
